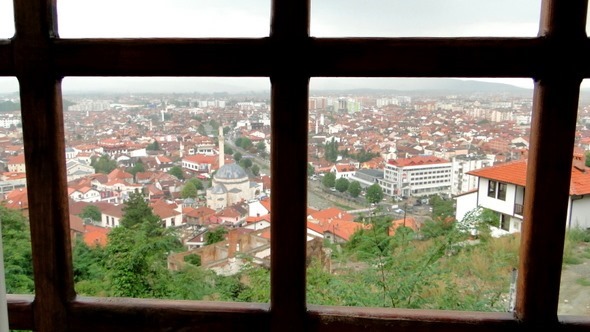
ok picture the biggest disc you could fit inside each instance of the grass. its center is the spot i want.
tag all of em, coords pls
(574, 249)
(583, 281)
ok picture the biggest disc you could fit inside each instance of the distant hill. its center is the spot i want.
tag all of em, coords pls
(412, 84)
(233, 85)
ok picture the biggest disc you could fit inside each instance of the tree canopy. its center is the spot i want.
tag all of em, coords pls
(329, 180)
(374, 193)
(103, 164)
(176, 171)
(354, 188)
(16, 244)
(331, 151)
(342, 184)
(92, 212)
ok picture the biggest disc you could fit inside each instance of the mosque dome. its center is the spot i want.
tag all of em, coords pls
(230, 172)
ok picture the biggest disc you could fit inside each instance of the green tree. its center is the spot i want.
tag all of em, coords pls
(103, 164)
(245, 143)
(342, 184)
(255, 170)
(16, 243)
(89, 269)
(138, 167)
(261, 146)
(587, 158)
(176, 171)
(215, 235)
(153, 146)
(310, 170)
(237, 157)
(442, 208)
(331, 151)
(188, 190)
(137, 211)
(228, 150)
(201, 130)
(246, 163)
(354, 189)
(329, 180)
(193, 259)
(137, 251)
(197, 183)
(92, 212)
(374, 193)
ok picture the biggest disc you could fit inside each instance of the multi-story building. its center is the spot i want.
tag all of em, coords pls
(462, 165)
(417, 176)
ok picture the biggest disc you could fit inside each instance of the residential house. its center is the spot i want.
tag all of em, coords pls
(16, 164)
(343, 170)
(502, 189)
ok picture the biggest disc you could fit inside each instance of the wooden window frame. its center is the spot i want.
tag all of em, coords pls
(556, 59)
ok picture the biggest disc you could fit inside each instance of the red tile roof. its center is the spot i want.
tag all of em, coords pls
(515, 173)
(96, 236)
(511, 172)
(418, 160)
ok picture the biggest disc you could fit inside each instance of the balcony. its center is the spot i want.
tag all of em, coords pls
(518, 209)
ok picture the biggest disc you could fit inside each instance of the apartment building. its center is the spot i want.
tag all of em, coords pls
(417, 176)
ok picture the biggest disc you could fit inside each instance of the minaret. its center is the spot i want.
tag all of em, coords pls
(316, 126)
(181, 149)
(221, 147)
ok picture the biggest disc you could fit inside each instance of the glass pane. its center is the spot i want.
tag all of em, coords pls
(393, 192)
(14, 207)
(6, 19)
(154, 18)
(169, 180)
(398, 18)
(575, 275)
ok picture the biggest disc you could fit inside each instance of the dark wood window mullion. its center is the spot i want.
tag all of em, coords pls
(555, 104)
(43, 136)
(289, 98)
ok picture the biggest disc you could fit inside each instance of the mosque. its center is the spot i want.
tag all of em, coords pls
(231, 183)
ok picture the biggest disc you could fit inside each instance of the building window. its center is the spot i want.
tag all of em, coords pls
(492, 188)
(502, 191)
(557, 59)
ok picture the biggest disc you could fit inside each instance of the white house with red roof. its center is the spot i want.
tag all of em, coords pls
(200, 163)
(501, 189)
(169, 213)
(417, 176)
(343, 170)
(84, 194)
(16, 164)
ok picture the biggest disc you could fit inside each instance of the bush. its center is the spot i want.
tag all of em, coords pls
(193, 259)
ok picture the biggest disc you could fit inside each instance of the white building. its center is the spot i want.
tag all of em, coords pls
(417, 176)
(462, 165)
(501, 189)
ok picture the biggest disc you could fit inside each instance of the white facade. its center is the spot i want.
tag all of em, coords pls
(461, 181)
(417, 180)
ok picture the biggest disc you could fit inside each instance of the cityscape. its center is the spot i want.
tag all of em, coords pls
(201, 163)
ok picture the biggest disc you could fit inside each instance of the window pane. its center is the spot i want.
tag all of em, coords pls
(398, 18)
(185, 160)
(153, 18)
(393, 192)
(14, 207)
(575, 281)
(6, 19)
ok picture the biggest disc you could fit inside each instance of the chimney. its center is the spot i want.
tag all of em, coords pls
(579, 162)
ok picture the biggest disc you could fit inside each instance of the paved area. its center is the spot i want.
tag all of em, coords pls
(574, 294)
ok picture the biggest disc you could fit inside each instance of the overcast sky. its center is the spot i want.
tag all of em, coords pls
(251, 18)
